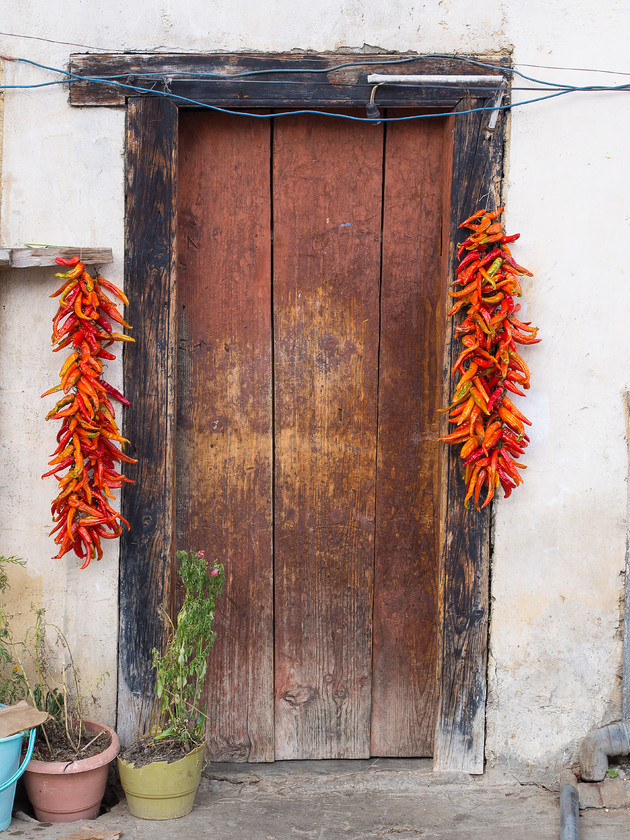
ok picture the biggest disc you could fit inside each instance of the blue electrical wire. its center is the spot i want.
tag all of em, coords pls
(223, 76)
(342, 116)
(111, 81)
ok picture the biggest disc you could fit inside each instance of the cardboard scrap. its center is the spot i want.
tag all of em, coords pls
(87, 833)
(19, 717)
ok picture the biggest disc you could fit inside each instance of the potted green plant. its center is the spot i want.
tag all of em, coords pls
(161, 772)
(66, 778)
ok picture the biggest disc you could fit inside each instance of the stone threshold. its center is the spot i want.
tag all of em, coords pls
(378, 774)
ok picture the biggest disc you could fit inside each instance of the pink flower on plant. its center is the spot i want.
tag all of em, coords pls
(201, 553)
(214, 573)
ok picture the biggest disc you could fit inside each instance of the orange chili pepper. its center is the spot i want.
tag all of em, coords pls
(478, 398)
(511, 407)
(468, 448)
(474, 416)
(481, 480)
(467, 411)
(472, 218)
(69, 361)
(472, 481)
(77, 271)
(455, 437)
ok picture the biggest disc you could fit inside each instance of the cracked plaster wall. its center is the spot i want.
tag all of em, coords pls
(559, 542)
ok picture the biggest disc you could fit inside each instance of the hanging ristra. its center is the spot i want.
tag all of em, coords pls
(86, 440)
(489, 426)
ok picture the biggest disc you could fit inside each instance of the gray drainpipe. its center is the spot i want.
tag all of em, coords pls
(569, 806)
(599, 745)
(594, 753)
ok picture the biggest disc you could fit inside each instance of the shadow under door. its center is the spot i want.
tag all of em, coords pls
(309, 367)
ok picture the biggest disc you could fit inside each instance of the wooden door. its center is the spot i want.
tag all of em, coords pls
(309, 367)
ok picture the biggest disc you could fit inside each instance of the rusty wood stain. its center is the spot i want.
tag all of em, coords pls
(407, 493)
(224, 448)
(326, 343)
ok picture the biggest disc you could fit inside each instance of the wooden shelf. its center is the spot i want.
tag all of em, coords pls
(31, 257)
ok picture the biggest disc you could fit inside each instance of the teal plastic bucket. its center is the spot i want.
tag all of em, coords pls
(11, 770)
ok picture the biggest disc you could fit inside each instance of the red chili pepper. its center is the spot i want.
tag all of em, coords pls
(62, 466)
(512, 387)
(113, 313)
(521, 339)
(474, 457)
(115, 394)
(467, 274)
(483, 363)
(469, 258)
(113, 289)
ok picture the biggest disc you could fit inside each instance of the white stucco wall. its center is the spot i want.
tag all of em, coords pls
(559, 542)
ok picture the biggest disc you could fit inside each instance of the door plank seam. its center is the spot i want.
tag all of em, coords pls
(378, 403)
(272, 126)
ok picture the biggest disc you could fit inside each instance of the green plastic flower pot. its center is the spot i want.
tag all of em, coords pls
(162, 791)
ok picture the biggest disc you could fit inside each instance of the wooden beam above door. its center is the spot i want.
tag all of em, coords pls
(271, 80)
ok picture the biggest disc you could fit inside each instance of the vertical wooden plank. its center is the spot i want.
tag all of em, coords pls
(147, 551)
(465, 568)
(327, 218)
(408, 480)
(224, 421)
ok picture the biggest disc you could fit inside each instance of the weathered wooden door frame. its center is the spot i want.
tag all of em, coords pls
(147, 551)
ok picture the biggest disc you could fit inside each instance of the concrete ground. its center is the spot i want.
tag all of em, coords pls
(359, 800)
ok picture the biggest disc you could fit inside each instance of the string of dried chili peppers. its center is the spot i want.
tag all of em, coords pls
(82, 512)
(489, 427)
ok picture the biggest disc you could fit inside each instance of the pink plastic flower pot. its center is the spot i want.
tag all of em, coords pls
(64, 792)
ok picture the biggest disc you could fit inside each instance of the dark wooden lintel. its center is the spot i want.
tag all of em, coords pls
(215, 79)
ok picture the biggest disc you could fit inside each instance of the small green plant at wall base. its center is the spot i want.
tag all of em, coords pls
(12, 685)
(47, 668)
(179, 714)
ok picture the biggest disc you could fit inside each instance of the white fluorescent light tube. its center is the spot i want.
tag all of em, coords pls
(462, 81)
